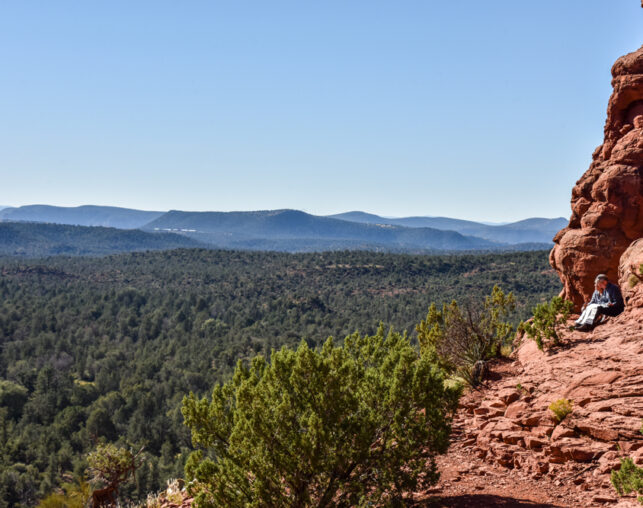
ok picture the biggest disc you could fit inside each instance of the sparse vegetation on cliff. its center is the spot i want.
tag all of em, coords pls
(547, 319)
(635, 278)
(460, 337)
(560, 409)
(629, 478)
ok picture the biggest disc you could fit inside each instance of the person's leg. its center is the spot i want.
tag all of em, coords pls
(582, 317)
(609, 311)
(587, 318)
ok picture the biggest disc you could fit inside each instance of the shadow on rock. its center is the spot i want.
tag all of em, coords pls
(482, 501)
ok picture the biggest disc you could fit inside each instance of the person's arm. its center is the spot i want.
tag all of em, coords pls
(610, 296)
(615, 296)
(595, 297)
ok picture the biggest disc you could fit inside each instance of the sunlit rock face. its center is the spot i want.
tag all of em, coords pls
(630, 276)
(607, 202)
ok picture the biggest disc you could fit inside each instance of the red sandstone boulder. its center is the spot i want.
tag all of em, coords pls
(561, 432)
(517, 411)
(630, 276)
(607, 202)
(533, 443)
(508, 396)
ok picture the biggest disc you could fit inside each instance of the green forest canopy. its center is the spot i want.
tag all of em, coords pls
(106, 348)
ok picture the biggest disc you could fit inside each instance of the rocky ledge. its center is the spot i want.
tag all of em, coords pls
(508, 424)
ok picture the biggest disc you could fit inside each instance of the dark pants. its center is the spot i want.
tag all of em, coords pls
(613, 311)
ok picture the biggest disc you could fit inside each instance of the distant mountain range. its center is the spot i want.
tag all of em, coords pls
(295, 230)
(280, 230)
(529, 230)
(88, 215)
(31, 239)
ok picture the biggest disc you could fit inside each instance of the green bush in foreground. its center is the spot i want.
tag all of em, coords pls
(548, 317)
(628, 479)
(338, 426)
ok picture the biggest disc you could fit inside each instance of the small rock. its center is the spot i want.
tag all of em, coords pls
(508, 396)
(481, 411)
(602, 499)
(560, 432)
(514, 438)
(533, 443)
(542, 467)
(598, 432)
(516, 411)
(582, 454)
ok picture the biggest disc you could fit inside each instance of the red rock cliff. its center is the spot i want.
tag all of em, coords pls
(607, 202)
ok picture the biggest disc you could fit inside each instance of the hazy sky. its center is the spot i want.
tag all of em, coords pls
(478, 110)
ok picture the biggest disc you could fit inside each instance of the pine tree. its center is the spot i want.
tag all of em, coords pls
(339, 426)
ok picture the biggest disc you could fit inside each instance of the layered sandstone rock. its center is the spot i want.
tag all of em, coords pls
(607, 202)
(630, 275)
(507, 422)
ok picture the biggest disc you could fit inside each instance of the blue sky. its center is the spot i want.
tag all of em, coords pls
(477, 110)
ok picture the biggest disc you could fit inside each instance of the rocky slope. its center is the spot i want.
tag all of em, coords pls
(507, 448)
(507, 424)
(607, 202)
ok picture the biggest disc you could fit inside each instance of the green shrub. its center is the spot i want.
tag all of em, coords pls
(459, 337)
(110, 466)
(70, 495)
(339, 426)
(560, 409)
(628, 479)
(635, 278)
(548, 317)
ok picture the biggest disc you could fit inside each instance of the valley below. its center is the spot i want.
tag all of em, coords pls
(104, 349)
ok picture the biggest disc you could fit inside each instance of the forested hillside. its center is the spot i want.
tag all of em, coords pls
(87, 215)
(297, 231)
(106, 348)
(534, 230)
(34, 239)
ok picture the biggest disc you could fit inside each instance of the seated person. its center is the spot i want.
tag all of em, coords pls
(606, 300)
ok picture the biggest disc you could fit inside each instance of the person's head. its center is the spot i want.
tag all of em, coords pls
(601, 281)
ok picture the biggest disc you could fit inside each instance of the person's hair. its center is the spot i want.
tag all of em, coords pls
(599, 278)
